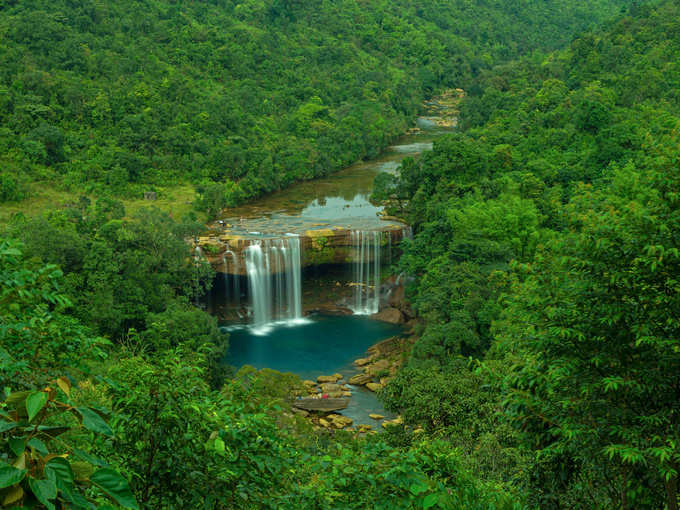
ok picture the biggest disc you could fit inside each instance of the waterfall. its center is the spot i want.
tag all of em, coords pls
(366, 266)
(273, 268)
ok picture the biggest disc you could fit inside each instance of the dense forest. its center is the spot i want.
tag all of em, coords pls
(543, 267)
(236, 98)
(547, 261)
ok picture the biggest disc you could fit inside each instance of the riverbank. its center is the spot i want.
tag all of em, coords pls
(372, 373)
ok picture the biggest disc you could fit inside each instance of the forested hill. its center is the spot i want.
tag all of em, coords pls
(118, 96)
(546, 247)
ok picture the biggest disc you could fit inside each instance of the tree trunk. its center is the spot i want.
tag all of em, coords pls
(672, 493)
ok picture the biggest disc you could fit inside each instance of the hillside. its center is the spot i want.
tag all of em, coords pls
(546, 244)
(241, 98)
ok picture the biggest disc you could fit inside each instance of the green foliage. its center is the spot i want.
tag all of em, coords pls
(188, 446)
(121, 270)
(426, 475)
(12, 188)
(181, 324)
(39, 338)
(558, 198)
(37, 463)
(215, 196)
(239, 98)
(601, 358)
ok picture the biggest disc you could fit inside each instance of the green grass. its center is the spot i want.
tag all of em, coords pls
(176, 200)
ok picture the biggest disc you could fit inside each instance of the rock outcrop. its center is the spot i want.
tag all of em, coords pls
(226, 251)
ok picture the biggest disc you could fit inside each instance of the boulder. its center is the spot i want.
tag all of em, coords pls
(326, 379)
(397, 297)
(375, 416)
(360, 379)
(324, 423)
(321, 404)
(337, 377)
(392, 423)
(309, 383)
(364, 428)
(378, 367)
(391, 315)
(346, 393)
(374, 386)
(339, 421)
(362, 361)
(330, 388)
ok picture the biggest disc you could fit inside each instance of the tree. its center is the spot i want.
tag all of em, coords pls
(594, 330)
(39, 339)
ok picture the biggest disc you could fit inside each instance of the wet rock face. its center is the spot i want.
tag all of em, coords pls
(226, 252)
(391, 315)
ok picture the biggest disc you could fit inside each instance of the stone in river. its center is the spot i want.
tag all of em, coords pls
(378, 367)
(339, 421)
(330, 388)
(360, 379)
(375, 416)
(362, 361)
(326, 379)
(391, 315)
(321, 404)
(374, 386)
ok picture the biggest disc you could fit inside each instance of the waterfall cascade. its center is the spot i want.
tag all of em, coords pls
(366, 265)
(273, 267)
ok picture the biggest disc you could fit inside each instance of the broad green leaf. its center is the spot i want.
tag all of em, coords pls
(65, 385)
(430, 500)
(115, 486)
(58, 469)
(17, 445)
(43, 490)
(7, 425)
(417, 488)
(89, 458)
(38, 446)
(35, 402)
(82, 470)
(9, 475)
(16, 400)
(92, 421)
(12, 495)
(219, 446)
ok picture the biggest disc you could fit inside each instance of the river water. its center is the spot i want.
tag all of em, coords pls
(321, 345)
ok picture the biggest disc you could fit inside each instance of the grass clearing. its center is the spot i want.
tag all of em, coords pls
(176, 200)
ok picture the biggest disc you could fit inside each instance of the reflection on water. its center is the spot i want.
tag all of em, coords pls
(338, 200)
(340, 208)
